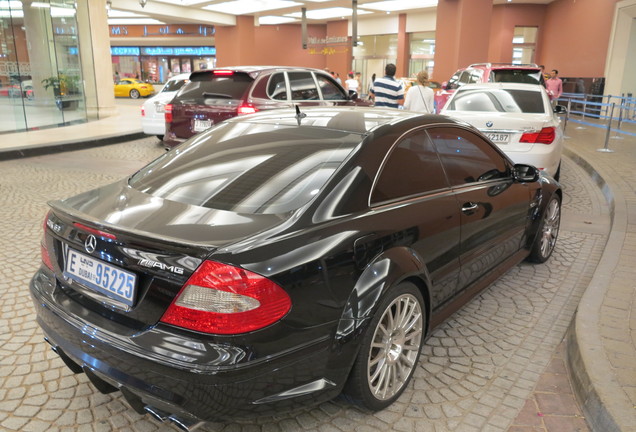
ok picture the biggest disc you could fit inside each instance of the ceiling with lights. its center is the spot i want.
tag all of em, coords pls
(223, 12)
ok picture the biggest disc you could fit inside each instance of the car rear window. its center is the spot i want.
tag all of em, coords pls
(210, 87)
(248, 168)
(173, 85)
(497, 100)
(516, 76)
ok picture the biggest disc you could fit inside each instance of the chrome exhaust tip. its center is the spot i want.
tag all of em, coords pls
(158, 414)
(186, 425)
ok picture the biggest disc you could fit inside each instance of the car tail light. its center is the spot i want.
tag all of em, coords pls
(222, 299)
(96, 232)
(44, 252)
(143, 111)
(546, 136)
(167, 113)
(246, 108)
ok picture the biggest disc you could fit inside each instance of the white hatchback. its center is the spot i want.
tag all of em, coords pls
(152, 111)
(518, 118)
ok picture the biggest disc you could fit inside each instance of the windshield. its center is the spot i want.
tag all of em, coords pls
(497, 100)
(173, 85)
(248, 167)
(523, 76)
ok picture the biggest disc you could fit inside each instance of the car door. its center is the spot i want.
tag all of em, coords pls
(414, 203)
(122, 88)
(493, 207)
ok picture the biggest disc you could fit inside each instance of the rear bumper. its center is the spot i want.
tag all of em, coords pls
(163, 380)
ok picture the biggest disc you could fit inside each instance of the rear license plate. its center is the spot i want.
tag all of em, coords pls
(112, 281)
(499, 138)
(201, 125)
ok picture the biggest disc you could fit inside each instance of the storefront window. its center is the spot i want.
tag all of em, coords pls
(40, 84)
(157, 64)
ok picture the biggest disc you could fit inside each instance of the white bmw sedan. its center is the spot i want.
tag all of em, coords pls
(152, 111)
(518, 118)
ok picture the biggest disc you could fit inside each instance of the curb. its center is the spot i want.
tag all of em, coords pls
(68, 146)
(594, 383)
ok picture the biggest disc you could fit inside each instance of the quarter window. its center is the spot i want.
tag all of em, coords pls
(276, 88)
(412, 168)
(467, 158)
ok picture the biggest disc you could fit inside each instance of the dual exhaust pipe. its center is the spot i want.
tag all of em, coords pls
(186, 425)
(182, 423)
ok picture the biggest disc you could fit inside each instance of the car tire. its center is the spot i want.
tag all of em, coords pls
(389, 350)
(134, 94)
(548, 232)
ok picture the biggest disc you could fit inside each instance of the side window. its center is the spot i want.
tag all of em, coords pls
(276, 88)
(303, 86)
(464, 78)
(467, 158)
(475, 76)
(412, 168)
(453, 81)
(329, 89)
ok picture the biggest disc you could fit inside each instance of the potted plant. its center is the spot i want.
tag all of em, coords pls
(65, 89)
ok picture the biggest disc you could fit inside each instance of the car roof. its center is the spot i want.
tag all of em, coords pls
(502, 85)
(531, 66)
(252, 69)
(180, 77)
(361, 120)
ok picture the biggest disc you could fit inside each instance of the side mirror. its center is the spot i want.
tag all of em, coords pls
(353, 95)
(444, 85)
(525, 173)
(560, 109)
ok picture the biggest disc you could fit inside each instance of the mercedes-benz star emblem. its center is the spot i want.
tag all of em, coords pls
(489, 124)
(90, 244)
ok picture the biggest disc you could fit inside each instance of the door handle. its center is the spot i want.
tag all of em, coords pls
(469, 207)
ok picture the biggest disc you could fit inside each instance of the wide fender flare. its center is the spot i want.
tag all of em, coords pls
(384, 271)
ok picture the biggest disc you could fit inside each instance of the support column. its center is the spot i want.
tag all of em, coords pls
(92, 21)
(403, 48)
(235, 44)
(41, 52)
(462, 35)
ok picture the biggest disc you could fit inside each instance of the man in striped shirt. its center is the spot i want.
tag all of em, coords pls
(386, 91)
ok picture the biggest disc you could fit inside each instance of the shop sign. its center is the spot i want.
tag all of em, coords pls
(124, 51)
(328, 41)
(179, 51)
(164, 51)
(162, 30)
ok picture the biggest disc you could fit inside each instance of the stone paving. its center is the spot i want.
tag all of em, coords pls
(479, 370)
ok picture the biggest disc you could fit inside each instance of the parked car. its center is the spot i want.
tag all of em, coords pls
(133, 88)
(517, 117)
(215, 95)
(152, 111)
(279, 259)
(488, 72)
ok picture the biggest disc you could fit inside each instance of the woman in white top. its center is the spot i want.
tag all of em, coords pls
(352, 84)
(420, 96)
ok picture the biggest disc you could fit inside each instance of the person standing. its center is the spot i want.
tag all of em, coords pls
(387, 91)
(554, 86)
(351, 84)
(420, 96)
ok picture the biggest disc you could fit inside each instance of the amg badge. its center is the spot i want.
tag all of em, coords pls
(155, 264)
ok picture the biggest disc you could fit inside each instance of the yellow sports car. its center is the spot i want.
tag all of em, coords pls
(132, 87)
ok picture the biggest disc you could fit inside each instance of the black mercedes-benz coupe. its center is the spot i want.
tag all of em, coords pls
(282, 258)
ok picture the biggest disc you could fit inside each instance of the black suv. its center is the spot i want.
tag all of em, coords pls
(215, 95)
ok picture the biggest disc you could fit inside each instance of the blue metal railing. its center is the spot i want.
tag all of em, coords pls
(607, 110)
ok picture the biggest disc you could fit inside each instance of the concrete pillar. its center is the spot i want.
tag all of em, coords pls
(403, 48)
(92, 21)
(462, 35)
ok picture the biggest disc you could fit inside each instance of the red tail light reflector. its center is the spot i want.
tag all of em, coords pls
(546, 136)
(223, 72)
(94, 231)
(246, 108)
(143, 111)
(223, 299)
(167, 113)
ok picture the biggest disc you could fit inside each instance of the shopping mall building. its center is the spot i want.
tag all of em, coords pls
(58, 58)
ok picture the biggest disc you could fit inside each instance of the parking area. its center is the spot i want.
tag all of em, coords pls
(477, 372)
